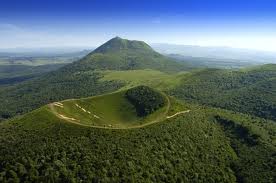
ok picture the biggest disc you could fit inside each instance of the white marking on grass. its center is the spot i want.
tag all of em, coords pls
(81, 108)
(84, 110)
(58, 104)
(65, 117)
(95, 116)
(181, 112)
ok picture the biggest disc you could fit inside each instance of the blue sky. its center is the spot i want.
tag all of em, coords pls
(89, 23)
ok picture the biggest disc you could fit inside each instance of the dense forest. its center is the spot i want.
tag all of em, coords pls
(249, 90)
(145, 99)
(13, 74)
(195, 147)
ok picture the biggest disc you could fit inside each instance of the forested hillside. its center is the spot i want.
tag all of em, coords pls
(204, 145)
(250, 91)
(123, 54)
(13, 74)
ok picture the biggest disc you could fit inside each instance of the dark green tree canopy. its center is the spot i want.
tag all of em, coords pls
(145, 99)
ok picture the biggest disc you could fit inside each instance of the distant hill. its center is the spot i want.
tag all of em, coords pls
(16, 67)
(207, 62)
(237, 56)
(45, 52)
(123, 54)
(118, 44)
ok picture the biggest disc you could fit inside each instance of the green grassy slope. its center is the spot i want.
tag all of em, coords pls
(153, 78)
(107, 111)
(192, 147)
(249, 91)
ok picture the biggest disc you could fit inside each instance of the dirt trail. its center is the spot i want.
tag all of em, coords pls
(181, 112)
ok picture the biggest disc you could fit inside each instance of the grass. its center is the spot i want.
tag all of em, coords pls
(178, 106)
(153, 78)
(111, 110)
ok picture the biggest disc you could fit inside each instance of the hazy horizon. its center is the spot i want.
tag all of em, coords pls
(82, 48)
(235, 24)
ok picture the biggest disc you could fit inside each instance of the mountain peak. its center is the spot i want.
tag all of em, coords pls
(119, 44)
(118, 38)
(123, 54)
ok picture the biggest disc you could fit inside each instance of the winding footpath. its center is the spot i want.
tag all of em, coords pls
(178, 113)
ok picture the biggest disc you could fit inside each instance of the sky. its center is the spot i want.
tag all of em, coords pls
(89, 23)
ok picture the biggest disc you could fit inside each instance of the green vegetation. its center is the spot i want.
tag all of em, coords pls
(82, 78)
(122, 54)
(53, 86)
(249, 91)
(254, 141)
(192, 147)
(118, 44)
(12, 74)
(149, 77)
(107, 111)
(145, 99)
